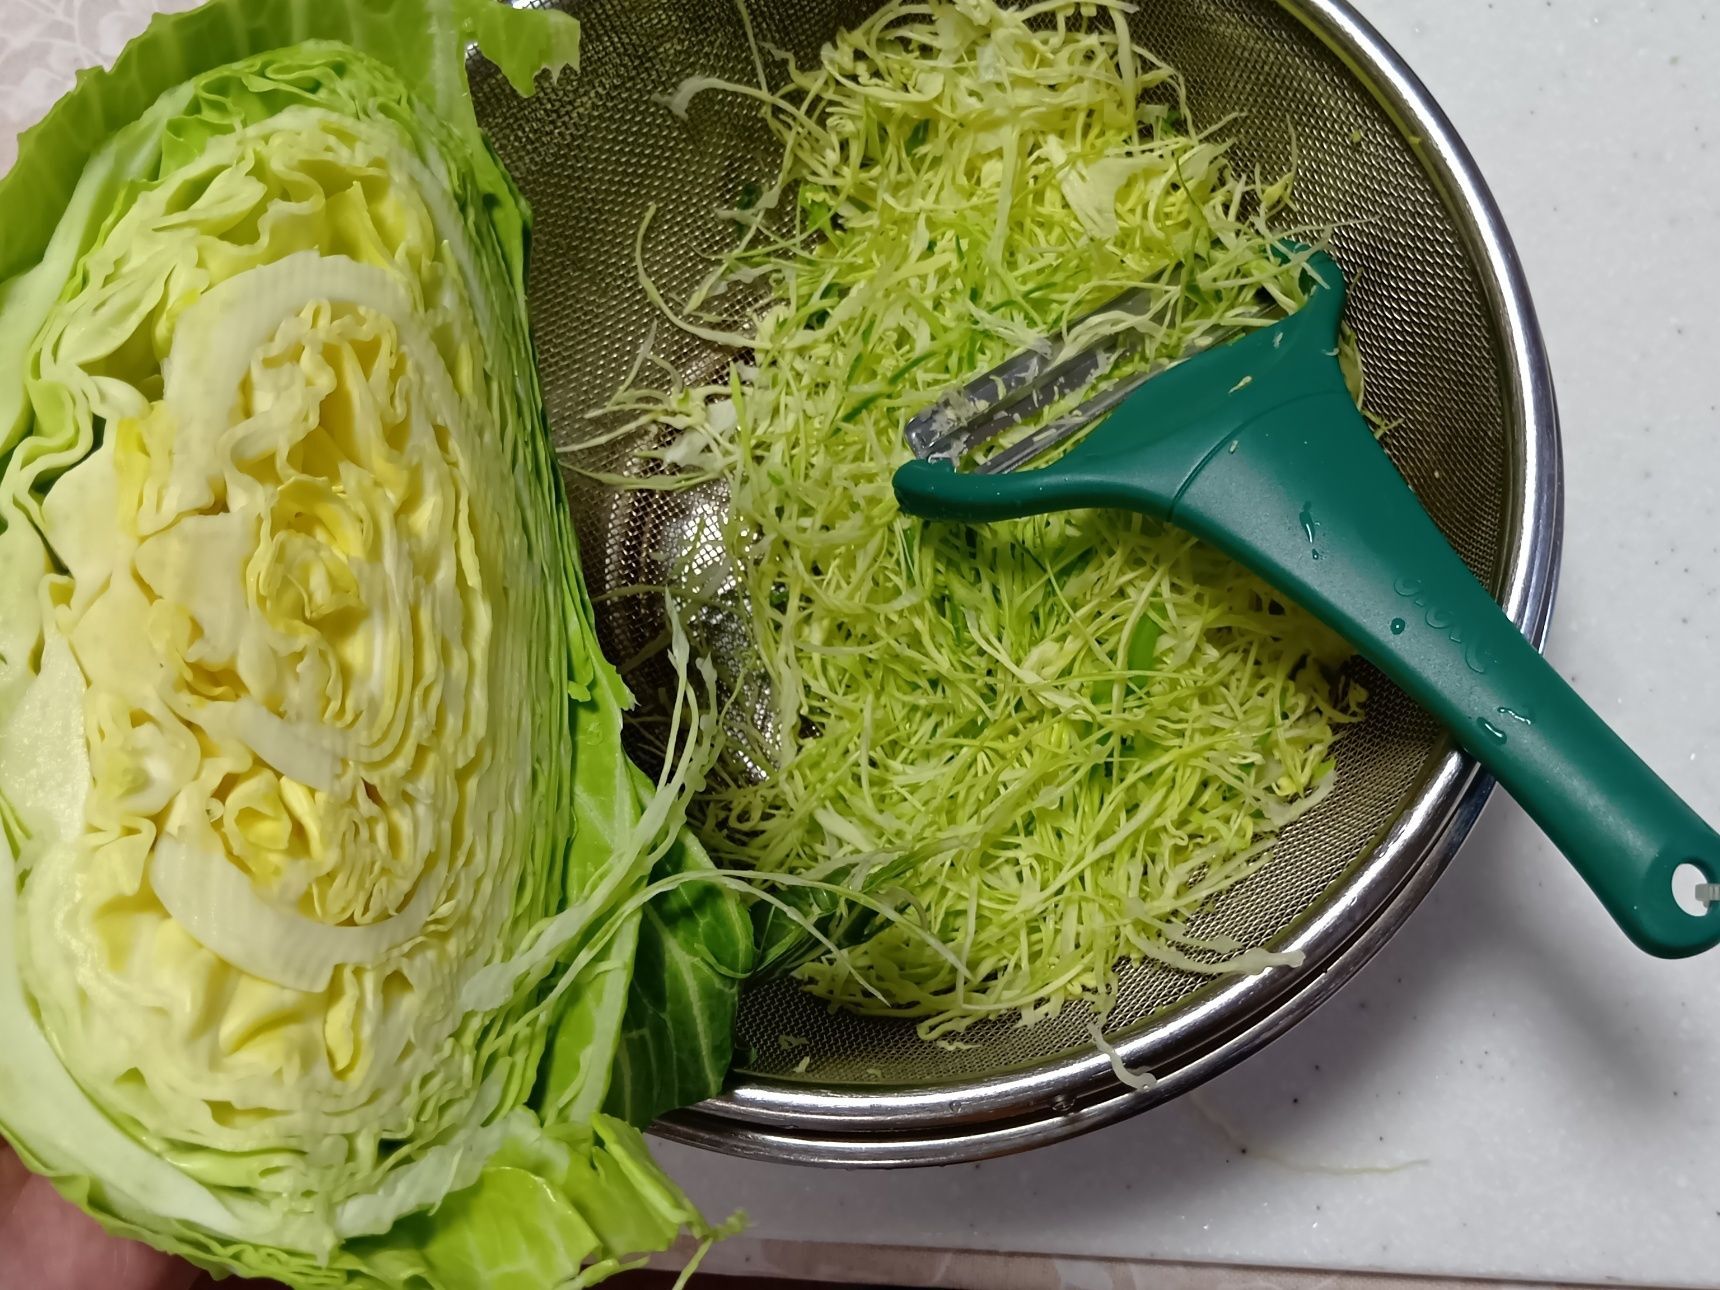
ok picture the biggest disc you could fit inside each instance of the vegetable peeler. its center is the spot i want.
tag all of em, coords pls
(1257, 447)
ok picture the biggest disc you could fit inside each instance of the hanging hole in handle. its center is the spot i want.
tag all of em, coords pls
(1693, 889)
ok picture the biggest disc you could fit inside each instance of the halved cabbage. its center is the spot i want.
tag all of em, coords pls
(321, 866)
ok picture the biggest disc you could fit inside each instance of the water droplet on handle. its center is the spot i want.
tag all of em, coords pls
(1310, 527)
(1398, 626)
(1525, 718)
(1492, 731)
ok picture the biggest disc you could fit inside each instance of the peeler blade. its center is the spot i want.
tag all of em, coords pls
(1033, 381)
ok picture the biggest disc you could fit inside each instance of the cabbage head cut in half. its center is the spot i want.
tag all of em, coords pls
(329, 943)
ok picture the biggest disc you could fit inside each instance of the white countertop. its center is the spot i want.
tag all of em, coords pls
(1556, 1086)
(1560, 1086)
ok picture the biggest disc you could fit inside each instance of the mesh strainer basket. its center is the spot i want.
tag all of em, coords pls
(1453, 356)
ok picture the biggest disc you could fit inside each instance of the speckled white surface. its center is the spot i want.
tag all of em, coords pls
(1563, 1090)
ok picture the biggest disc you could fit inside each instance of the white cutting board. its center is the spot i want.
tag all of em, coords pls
(1551, 1092)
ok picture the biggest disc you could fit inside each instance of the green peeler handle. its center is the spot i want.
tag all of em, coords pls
(1258, 448)
(1337, 530)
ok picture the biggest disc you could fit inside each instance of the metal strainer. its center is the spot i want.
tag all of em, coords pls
(1449, 340)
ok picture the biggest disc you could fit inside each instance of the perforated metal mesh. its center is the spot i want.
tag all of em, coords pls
(595, 152)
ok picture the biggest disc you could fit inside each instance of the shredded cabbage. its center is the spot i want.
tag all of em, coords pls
(1082, 727)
